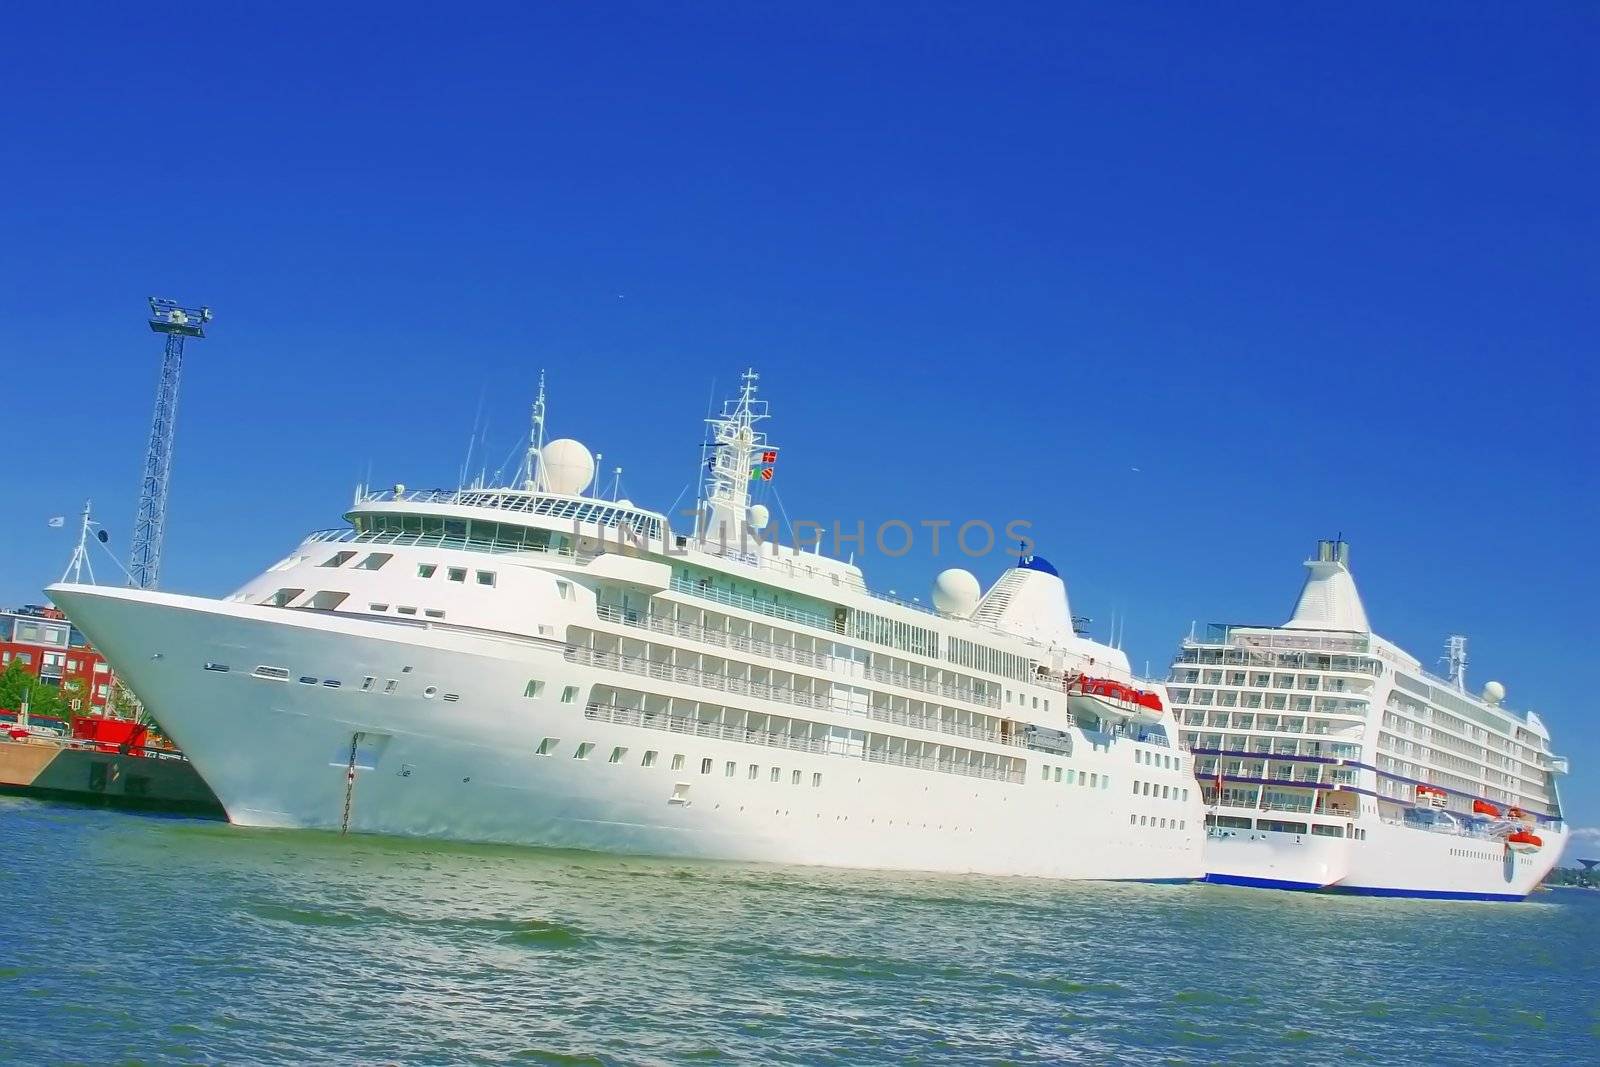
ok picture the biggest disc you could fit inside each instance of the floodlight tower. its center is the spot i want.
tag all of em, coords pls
(179, 324)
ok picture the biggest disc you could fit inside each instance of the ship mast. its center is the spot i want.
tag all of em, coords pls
(737, 447)
(532, 473)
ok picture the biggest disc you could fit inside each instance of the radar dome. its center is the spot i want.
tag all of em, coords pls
(956, 592)
(567, 466)
(1493, 692)
(759, 516)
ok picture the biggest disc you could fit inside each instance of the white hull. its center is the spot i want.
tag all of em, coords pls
(277, 753)
(1389, 860)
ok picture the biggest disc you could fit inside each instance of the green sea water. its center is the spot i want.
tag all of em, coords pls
(144, 939)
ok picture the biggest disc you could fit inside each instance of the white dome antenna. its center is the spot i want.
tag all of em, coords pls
(566, 467)
(956, 592)
(1493, 693)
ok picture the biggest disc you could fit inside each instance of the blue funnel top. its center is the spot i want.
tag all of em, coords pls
(1037, 563)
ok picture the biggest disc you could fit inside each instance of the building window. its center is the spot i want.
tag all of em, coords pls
(533, 689)
(547, 747)
(583, 750)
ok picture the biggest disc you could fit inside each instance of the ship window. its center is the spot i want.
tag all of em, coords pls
(794, 778)
(1133, 820)
(1320, 830)
(451, 698)
(1163, 824)
(563, 589)
(366, 683)
(1105, 781)
(547, 747)
(406, 610)
(705, 765)
(1045, 767)
(219, 667)
(276, 674)
(306, 679)
(338, 559)
(1136, 787)
(1166, 792)
(777, 774)
(375, 561)
(425, 570)
(377, 607)
(1185, 794)
(583, 750)
(1094, 780)
(456, 574)
(486, 578)
(1183, 824)
(533, 689)
(390, 685)
(1071, 775)
(332, 683)
(327, 600)
(281, 598)
(649, 759)
(755, 772)
(569, 694)
(617, 754)
(729, 769)
(430, 692)
(1146, 788)
(677, 761)
(1143, 820)
(816, 779)
(1058, 774)
(433, 613)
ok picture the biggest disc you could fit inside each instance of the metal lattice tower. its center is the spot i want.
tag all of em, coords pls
(179, 324)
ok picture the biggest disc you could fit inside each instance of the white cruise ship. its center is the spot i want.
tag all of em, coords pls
(1331, 760)
(537, 664)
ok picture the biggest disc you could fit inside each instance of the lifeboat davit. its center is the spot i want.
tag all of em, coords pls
(1517, 813)
(1483, 807)
(1112, 699)
(1523, 841)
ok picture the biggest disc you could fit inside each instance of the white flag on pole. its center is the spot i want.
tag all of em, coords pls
(59, 520)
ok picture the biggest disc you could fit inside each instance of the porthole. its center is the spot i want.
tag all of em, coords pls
(431, 692)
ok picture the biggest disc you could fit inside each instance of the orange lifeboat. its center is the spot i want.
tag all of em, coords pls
(1483, 807)
(1523, 841)
(1431, 796)
(1107, 697)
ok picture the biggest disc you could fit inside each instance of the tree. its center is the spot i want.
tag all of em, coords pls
(17, 682)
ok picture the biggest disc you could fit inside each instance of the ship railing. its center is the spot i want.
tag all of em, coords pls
(695, 727)
(746, 602)
(418, 539)
(785, 694)
(789, 654)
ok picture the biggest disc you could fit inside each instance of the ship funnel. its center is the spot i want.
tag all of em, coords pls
(1329, 600)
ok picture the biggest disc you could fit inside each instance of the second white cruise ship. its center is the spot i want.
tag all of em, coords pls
(1331, 760)
(538, 664)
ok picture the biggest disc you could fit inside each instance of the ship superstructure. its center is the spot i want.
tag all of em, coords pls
(538, 664)
(1330, 759)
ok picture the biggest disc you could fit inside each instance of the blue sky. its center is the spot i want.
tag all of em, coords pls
(1309, 270)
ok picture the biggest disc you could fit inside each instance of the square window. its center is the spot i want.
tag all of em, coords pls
(677, 761)
(584, 750)
(425, 570)
(649, 759)
(547, 747)
(486, 578)
(456, 574)
(617, 754)
(569, 694)
(534, 689)
(705, 765)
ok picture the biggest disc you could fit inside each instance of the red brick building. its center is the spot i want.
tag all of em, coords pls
(54, 650)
